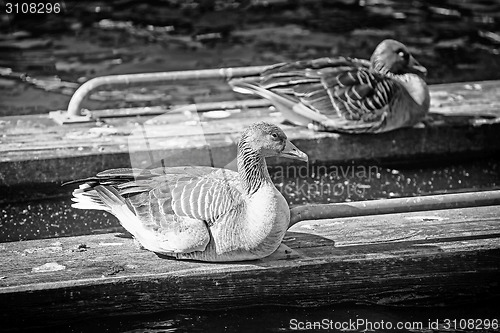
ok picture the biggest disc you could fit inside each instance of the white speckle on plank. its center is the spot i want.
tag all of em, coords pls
(48, 267)
(49, 249)
(425, 218)
(102, 131)
(474, 86)
(110, 244)
(192, 123)
(219, 114)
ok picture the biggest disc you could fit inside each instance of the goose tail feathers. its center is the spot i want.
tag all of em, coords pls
(107, 198)
(281, 103)
(252, 88)
(86, 197)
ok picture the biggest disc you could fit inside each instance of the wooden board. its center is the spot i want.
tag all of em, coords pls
(424, 258)
(33, 149)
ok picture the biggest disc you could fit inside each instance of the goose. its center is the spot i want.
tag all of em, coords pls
(344, 94)
(201, 213)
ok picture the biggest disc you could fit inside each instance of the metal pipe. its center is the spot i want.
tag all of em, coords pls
(392, 206)
(127, 80)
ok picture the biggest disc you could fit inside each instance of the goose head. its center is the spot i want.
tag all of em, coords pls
(270, 140)
(392, 56)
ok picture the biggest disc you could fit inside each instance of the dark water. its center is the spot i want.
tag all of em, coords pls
(337, 318)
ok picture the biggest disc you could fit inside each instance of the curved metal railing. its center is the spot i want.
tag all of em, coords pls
(74, 112)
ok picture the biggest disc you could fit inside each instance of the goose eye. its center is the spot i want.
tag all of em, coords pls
(274, 135)
(403, 55)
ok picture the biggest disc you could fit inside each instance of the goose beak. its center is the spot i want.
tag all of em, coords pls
(293, 152)
(415, 67)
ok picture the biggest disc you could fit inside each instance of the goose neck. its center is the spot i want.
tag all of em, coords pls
(252, 168)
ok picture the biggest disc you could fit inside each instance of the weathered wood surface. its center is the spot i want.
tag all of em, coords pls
(34, 149)
(425, 258)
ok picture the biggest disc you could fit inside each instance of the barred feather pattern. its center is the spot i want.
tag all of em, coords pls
(252, 168)
(353, 97)
(342, 94)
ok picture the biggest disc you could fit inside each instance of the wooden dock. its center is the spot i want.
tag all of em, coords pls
(421, 258)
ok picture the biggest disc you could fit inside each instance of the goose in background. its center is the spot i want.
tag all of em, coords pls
(348, 95)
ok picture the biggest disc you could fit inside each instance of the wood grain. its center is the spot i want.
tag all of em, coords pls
(421, 258)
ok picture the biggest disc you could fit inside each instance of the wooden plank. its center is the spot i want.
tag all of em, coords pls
(55, 165)
(424, 258)
(33, 149)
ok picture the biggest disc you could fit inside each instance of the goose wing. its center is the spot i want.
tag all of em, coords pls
(338, 94)
(202, 193)
(169, 210)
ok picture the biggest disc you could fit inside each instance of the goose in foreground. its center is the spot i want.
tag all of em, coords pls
(201, 213)
(346, 94)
